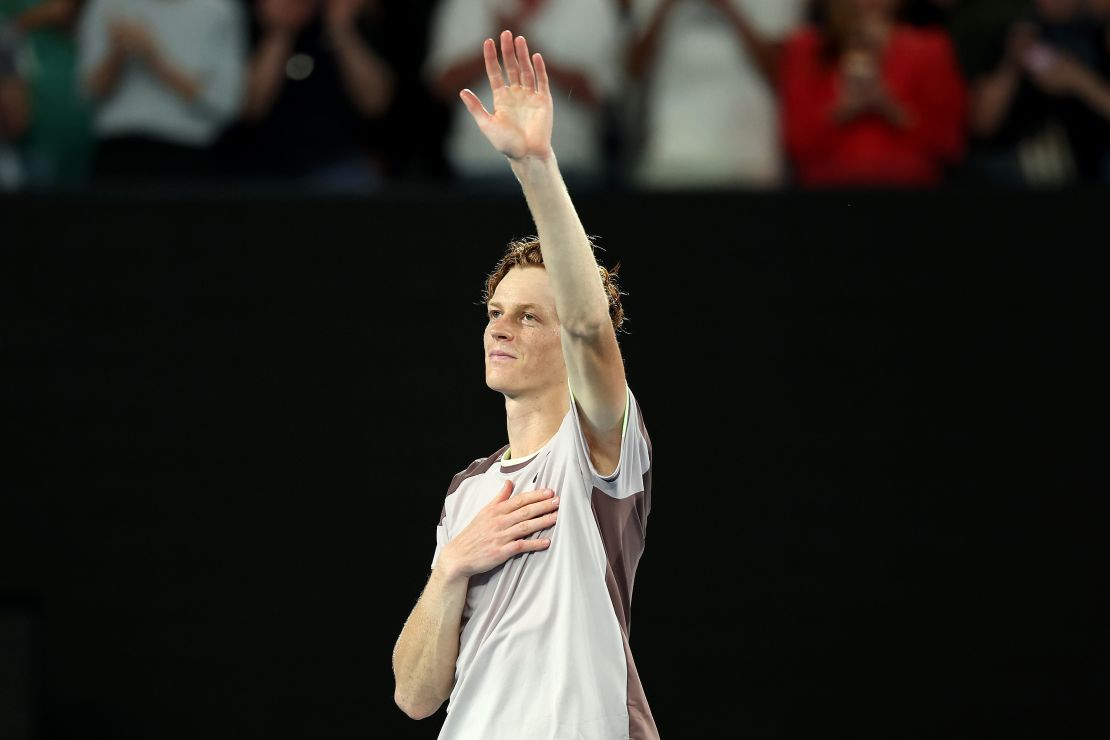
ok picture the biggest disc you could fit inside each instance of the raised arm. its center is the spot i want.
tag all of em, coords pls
(520, 128)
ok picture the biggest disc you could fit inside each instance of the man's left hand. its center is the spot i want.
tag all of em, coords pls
(521, 122)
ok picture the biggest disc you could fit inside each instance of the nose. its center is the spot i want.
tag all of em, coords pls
(499, 330)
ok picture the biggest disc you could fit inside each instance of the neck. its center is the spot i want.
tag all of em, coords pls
(534, 419)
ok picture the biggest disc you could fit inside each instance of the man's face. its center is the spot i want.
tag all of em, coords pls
(524, 351)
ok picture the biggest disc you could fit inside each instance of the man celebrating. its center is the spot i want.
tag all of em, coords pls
(523, 625)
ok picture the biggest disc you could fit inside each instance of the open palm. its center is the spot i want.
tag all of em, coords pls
(520, 125)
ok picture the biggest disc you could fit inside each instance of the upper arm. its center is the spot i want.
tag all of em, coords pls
(595, 370)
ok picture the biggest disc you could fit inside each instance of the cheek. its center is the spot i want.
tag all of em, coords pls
(553, 349)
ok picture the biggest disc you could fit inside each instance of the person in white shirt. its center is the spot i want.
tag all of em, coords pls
(710, 113)
(167, 76)
(523, 627)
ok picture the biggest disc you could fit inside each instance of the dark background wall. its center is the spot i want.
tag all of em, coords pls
(879, 425)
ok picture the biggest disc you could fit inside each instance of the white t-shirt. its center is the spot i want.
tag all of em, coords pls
(544, 651)
(581, 34)
(711, 116)
(206, 38)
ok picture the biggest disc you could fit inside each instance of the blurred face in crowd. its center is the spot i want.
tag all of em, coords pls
(1059, 11)
(523, 344)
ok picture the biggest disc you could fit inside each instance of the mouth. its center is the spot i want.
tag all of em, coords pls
(500, 356)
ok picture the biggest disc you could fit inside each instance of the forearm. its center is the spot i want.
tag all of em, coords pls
(764, 53)
(426, 652)
(182, 83)
(15, 114)
(642, 50)
(367, 79)
(102, 80)
(1094, 91)
(991, 100)
(266, 75)
(579, 296)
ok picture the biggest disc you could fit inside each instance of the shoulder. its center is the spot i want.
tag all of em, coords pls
(629, 458)
(478, 467)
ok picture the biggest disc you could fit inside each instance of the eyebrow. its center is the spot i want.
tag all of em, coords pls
(520, 307)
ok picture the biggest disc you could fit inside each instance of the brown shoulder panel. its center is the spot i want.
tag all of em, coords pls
(477, 467)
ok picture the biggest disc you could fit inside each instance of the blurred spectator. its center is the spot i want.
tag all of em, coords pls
(577, 38)
(711, 117)
(56, 148)
(1042, 110)
(316, 80)
(13, 109)
(870, 101)
(166, 77)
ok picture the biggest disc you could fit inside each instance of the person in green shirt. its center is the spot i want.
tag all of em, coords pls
(57, 146)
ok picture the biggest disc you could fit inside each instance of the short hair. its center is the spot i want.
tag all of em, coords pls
(527, 251)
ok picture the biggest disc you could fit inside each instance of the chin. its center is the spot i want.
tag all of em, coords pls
(496, 384)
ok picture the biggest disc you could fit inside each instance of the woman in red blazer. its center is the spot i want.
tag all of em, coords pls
(869, 101)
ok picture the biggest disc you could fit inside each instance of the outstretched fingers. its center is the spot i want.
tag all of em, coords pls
(493, 69)
(508, 54)
(542, 85)
(527, 74)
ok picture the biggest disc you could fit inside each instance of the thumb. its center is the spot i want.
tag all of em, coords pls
(474, 106)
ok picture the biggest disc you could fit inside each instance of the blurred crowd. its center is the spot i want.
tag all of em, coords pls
(357, 95)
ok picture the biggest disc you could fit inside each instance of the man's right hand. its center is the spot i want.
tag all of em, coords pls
(499, 531)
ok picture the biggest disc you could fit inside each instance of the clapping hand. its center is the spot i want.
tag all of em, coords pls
(863, 91)
(132, 39)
